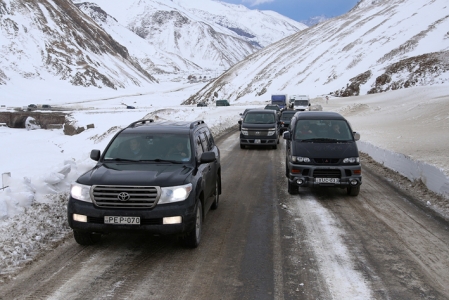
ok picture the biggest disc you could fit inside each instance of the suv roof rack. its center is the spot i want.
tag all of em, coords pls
(140, 122)
(196, 123)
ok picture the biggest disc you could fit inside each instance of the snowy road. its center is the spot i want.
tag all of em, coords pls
(262, 243)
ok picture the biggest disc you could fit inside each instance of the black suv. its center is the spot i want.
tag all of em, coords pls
(155, 177)
(321, 151)
(259, 127)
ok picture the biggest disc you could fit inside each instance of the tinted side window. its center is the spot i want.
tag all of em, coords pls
(198, 147)
(210, 139)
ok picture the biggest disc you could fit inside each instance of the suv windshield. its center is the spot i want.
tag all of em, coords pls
(151, 147)
(287, 116)
(323, 130)
(259, 118)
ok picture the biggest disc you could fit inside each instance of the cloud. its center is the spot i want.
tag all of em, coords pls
(256, 2)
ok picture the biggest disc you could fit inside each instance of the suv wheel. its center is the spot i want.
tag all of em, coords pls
(292, 189)
(242, 146)
(192, 239)
(217, 194)
(86, 238)
(353, 190)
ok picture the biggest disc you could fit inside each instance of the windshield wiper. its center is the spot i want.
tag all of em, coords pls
(120, 159)
(319, 140)
(162, 160)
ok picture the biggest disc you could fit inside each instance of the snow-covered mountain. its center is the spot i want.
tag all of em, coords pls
(117, 43)
(51, 40)
(211, 34)
(378, 46)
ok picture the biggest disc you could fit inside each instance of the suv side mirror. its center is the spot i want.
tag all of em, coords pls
(95, 154)
(240, 122)
(207, 157)
(286, 135)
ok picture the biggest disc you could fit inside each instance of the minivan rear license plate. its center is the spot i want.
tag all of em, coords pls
(256, 141)
(327, 180)
(122, 220)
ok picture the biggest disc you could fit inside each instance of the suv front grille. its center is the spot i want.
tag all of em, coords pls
(327, 173)
(120, 196)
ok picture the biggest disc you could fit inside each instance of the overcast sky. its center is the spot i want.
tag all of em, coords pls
(300, 10)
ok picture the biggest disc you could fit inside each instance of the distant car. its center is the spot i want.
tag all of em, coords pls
(274, 107)
(201, 104)
(130, 107)
(222, 103)
(31, 107)
(46, 106)
(286, 117)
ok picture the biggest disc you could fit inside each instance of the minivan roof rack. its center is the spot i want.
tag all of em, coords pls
(196, 123)
(141, 122)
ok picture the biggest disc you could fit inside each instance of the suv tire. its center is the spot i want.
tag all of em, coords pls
(217, 194)
(292, 189)
(86, 238)
(353, 190)
(193, 238)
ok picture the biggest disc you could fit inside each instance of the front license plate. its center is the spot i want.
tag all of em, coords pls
(327, 180)
(122, 220)
(256, 141)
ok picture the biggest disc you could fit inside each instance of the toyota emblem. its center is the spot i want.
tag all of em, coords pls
(123, 196)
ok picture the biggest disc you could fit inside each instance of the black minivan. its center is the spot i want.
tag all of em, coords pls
(260, 127)
(321, 151)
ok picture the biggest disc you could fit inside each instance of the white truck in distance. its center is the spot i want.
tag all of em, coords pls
(300, 102)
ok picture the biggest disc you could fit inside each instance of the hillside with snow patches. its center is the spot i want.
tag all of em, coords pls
(211, 34)
(51, 40)
(378, 46)
(118, 44)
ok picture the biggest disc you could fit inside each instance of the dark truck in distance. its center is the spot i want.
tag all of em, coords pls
(260, 127)
(160, 178)
(222, 103)
(321, 151)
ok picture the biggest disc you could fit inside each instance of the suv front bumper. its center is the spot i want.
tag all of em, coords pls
(151, 220)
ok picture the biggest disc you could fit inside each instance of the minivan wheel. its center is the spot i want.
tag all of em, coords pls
(217, 194)
(292, 189)
(353, 190)
(86, 238)
(193, 238)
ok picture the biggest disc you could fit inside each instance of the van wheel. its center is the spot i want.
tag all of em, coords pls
(86, 238)
(193, 238)
(353, 190)
(292, 189)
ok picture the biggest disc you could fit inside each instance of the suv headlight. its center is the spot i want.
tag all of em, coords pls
(300, 159)
(271, 131)
(80, 192)
(351, 160)
(244, 131)
(175, 193)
